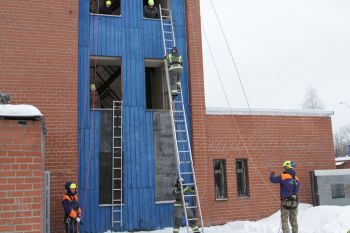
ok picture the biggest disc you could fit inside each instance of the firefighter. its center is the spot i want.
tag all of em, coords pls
(289, 190)
(179, 208)
(175, 69)
(72, 211)
(150, 11)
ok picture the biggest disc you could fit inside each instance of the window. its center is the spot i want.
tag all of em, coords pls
(338, 191)
(220, 179)
(105, 82)
(152, 12)
(105, 7)
(242, 177)
(156, 86)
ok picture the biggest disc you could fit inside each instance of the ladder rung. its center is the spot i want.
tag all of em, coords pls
(181, 141)
(179, 120)
(117, 200)
(117, 137)
(117, 178)
(192, 219)
(117, 189)
(189, 184)
(165, 9)
(168, 32)
(168, 40)
(117, 147)
(191, 207)
(183, 162)
(183, 151)
(117, 168)
(117, 211)
(190, 195)
(181, 131)
(186, 173)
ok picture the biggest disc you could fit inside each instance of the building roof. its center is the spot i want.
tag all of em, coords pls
(268, 112)
(19, 111)
(332, 172)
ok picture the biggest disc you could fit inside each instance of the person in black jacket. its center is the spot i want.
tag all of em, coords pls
(150, 11)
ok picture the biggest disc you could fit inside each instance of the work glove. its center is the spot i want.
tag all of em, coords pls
(272, 173)
(78, 219)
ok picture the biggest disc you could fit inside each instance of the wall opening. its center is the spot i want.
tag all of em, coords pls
(156, 86)
(242, 177)
(153, 12)
(105, 7)
(105, 82)
(220, 179)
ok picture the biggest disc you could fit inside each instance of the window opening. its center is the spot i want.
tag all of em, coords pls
(156, 86)
(338, 191)
(242, 177)
(152, 11)
(105, 7)
(220, 179)
(105, 81)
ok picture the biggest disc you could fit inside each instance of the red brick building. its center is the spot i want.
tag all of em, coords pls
(22, 154)
(39, 64)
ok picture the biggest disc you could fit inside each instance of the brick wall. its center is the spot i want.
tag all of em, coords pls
(38, 63)
(266, 141)
(21, 177)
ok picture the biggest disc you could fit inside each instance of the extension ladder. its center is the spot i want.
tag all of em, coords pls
(117, 165)
(180, 130)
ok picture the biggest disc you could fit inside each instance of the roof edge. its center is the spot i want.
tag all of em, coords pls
(268, 112)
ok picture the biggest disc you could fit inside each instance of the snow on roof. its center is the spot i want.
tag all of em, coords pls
(270, 112)
(332, 172)
(342, 159)
(19, 111)
(339, 163)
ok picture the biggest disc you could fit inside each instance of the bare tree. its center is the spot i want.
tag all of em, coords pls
(342, 141)
(311, 100)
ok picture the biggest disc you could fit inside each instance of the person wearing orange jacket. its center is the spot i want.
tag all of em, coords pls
(72, 211)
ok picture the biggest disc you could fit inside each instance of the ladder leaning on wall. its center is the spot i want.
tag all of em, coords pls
(117, 165)
(180, 129)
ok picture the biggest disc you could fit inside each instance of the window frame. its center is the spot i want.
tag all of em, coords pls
(224, 175)
(245, 172)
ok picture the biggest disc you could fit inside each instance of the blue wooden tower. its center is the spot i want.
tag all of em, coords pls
(120, 53)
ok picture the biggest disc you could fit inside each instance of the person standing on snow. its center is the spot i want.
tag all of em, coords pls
(72, 211)
(289, 190)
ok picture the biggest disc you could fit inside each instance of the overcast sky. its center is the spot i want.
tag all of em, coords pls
(280, 47)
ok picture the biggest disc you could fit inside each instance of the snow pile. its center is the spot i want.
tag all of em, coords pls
(319, 219)
(20, 110)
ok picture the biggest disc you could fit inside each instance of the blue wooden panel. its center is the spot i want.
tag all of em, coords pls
(132, 38)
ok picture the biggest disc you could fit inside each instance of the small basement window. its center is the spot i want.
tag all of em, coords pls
(105, 7)
(154, 12)
(156, 86)
(338, 191)
(220, 179)
(242, 177)
(105, 82)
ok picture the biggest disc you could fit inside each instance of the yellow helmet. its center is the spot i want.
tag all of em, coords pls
(108, 3)
(150, 2)
(72, 186)
(289, 164)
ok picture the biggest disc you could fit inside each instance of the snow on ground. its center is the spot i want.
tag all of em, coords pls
(319, 219)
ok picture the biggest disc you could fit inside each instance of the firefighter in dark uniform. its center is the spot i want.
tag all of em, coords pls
(179, 208)
(72, 211)
(175, 69)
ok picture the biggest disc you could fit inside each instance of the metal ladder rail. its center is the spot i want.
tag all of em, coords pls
(168, 21)
(166, 50)
(117, 146)
(197, 205)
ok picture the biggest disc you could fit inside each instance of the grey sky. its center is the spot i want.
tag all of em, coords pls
(280, 47)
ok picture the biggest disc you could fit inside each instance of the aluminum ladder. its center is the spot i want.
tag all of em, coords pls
(117, 165)
(180, 130)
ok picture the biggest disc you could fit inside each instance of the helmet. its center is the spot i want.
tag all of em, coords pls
(174, 50)
(92, 87)
(150, 2)
(108, 3)
(179, 180)
(289, 164)
(72, 186)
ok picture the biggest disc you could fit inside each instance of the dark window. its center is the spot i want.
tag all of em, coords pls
(156, 86)
(154, 12)
(338, 191)
(105, 81)
(242, 177)
(220, 179)
(105, 7)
